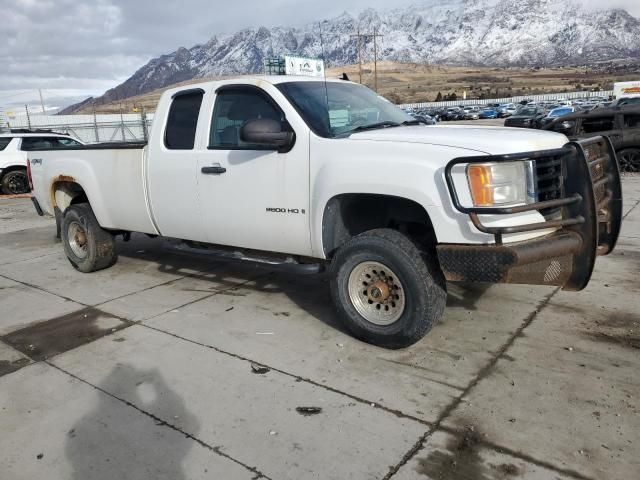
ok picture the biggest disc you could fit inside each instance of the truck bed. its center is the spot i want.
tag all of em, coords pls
(113, 175)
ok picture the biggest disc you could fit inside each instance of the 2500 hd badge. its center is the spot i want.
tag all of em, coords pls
(295, 211)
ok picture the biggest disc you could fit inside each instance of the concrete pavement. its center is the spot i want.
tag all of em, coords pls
(169, 366)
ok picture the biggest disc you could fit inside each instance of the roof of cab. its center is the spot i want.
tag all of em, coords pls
(254, 80)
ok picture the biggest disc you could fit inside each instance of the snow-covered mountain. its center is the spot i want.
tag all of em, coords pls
(473, 32)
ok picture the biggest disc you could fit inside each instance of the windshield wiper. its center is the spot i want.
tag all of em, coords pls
(414, 122)
(373, 126)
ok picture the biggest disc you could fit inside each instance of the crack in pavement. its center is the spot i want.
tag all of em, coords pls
(483, 373)
(630, 210)
(398, 413)
(298, 378)
(163, 423)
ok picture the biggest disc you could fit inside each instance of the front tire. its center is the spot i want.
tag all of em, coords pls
(87, 245)
(386, 291)
(15, 182)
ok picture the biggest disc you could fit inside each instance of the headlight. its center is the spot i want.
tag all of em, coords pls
(567, 124)
(502, 184)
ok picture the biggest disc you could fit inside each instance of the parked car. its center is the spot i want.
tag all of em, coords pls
(506, 110)
(13, 156)
(471, 113)
(553, 114)
(425, 119)
(526, 117)
(263, 177)
(488, 113)
(453, 113)
(620, 124)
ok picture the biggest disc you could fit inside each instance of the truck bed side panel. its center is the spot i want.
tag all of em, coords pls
(113, 180)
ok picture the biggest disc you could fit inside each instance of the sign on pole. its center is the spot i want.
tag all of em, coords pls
(311, 67)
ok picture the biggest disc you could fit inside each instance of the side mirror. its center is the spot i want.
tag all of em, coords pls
(267, 133)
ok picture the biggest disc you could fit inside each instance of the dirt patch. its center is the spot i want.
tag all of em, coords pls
(619, 319)
(8, 367)
(508, 470)
(624, 339)
(64, 333)
(617, 327)
(460, 461)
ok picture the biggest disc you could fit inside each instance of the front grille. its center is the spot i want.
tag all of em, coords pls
(550, 184)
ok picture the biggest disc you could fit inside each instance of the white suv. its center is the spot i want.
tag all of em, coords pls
(13, 156)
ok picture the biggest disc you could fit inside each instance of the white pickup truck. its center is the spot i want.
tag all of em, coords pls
(308, 175)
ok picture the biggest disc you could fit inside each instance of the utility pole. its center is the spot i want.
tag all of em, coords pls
(41, 101)
(26, 109)
(359, 37)
(375, 37)
(375, 58)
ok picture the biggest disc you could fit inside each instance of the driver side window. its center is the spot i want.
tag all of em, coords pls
(233, 109)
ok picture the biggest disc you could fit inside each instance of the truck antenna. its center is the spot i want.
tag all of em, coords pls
(324, 72)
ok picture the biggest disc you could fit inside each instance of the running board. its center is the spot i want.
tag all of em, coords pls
(286, 264)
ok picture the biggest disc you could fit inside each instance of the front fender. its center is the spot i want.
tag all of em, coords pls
(406, 170)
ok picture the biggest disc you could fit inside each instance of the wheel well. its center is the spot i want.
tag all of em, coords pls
(66, 193)
(348, 215)
(12, 168)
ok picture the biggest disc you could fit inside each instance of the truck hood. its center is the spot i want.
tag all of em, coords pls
(489, 140)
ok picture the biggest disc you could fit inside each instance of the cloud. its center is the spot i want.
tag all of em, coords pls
(91, 46)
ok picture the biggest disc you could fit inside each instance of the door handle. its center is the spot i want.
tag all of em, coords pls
(216, 170)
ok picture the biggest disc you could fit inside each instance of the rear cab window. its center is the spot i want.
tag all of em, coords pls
(182, 120)
(4, 141)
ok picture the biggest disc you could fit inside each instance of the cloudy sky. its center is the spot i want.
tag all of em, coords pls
(72, 49)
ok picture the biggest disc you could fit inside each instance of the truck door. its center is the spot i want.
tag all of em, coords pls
(172, 168)
(250, 196)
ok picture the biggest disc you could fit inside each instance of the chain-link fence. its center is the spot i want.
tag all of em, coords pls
(92, 128)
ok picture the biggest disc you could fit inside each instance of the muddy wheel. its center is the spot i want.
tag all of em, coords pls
(88, 246)
(386, 291)
(629, 159)
(15, 182)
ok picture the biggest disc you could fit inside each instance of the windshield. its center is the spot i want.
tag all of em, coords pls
(628, 101)
(332, 109)
(558, 112)
(528, 111)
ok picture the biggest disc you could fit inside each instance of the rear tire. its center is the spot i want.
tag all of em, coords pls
(386, 291)
(15, 182)
(87, 245)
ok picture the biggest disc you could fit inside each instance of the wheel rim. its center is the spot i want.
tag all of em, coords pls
(18, 184)
(77, 236)
(630, 162)
(376, 293)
